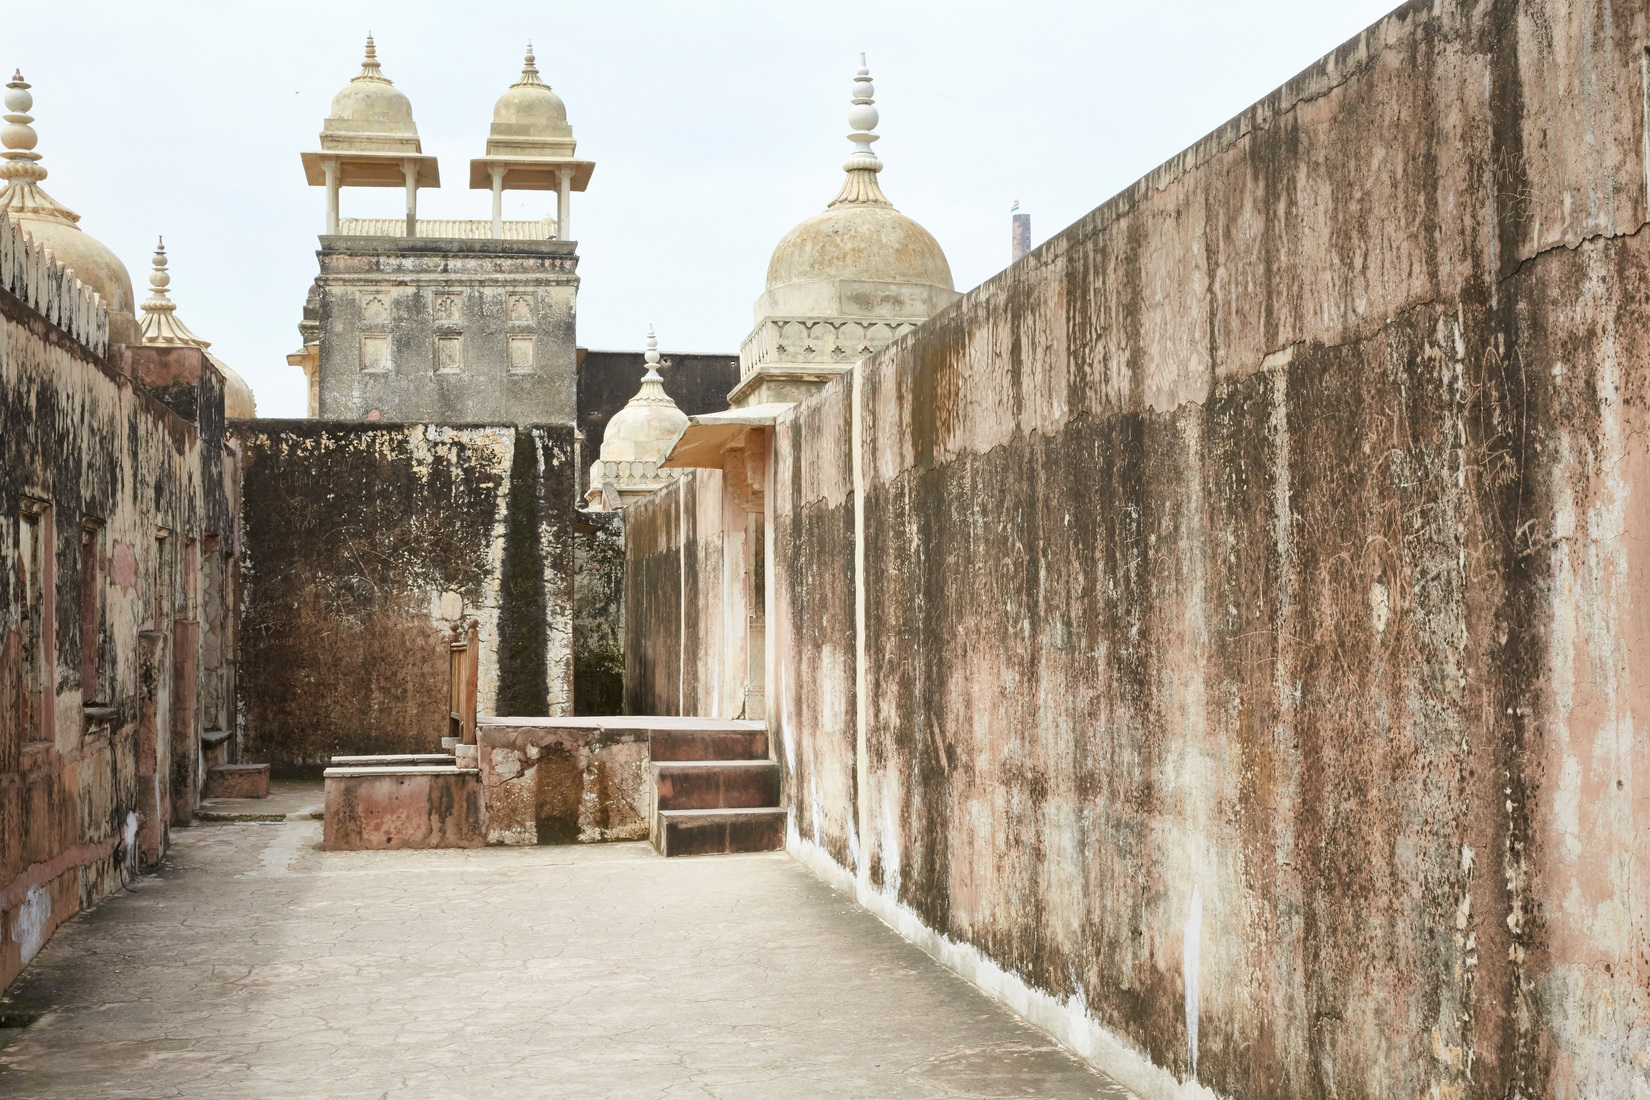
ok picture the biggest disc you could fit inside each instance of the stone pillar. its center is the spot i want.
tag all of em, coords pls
(564, 206)
(410, 170)
(1020, 242)
(498, 203)
(330, 167)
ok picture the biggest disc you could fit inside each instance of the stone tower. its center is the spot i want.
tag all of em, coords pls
(443, 321)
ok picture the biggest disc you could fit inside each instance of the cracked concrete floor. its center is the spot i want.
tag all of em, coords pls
(256, 965)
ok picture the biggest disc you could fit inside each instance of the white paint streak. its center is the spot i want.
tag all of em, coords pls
(1194, 936)
(28, 927)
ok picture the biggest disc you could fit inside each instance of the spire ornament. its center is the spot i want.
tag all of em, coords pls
(20, 164)
(862, 165)
(161, 327)
(653, 383)
(369, 65)
(529, 72)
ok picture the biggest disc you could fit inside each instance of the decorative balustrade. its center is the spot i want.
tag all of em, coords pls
(810, 340)
(41, 281)
(631, 477)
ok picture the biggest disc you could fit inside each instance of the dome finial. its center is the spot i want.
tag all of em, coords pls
(370, 69)
(159, 279)
(529, 70)
(862, 165)
(20, 167)
(21, 161)
(652, 357)
(160, 325)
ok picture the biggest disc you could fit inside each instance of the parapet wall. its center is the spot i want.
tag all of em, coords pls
(365, 543)
(41, 282)
(1217, 635)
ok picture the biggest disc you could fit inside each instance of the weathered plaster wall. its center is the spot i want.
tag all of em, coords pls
(111, 509)
(598, 613)
(813, 688)
(364, 542)
(687, 655)
(1247, 591)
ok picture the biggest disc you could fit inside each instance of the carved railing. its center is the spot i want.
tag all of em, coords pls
(44, 284)
(810, 340)
(631, 476)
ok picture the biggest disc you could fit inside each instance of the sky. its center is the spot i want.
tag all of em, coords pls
(715, 125)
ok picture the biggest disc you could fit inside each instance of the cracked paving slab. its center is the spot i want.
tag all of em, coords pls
(256, 965)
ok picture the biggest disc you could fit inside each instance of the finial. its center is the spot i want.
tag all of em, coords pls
(529, 70)
(652, 357)
(862, 165)
(370, 69)
(158, 278)
(160, 324)
(18, 137)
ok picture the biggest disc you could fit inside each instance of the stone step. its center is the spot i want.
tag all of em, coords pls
(715, 784)
(704, 832)
(395, 760)
(708, 744)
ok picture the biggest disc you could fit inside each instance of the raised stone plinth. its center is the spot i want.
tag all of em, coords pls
(237, 781)
(412, 806)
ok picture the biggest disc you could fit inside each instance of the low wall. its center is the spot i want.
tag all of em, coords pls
(563, 781)
(379, 808)
(364, 542)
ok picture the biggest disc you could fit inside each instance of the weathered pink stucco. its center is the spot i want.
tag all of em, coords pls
(377, 808)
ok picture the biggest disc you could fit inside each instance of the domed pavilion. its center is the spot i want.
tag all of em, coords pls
(843, 283)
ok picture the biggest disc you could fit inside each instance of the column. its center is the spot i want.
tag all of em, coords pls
(330, 167)
(409, 168)
(498, 202)
(564, 206)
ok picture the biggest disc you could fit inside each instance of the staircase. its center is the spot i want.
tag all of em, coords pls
(714, 789)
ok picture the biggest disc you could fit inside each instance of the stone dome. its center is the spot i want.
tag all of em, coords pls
(860, 260)
(530, 119)
(645, 428)
(238, 401)
(88, 257)
(860, 243)
(371, 101)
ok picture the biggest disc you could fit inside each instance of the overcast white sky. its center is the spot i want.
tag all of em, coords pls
(715, 126)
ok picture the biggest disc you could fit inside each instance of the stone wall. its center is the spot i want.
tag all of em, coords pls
(598, 613)
(687, 655)
(118, 547)
(364, 543)
(1218, 642)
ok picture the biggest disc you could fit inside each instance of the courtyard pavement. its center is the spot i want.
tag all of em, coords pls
(256, 965)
